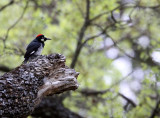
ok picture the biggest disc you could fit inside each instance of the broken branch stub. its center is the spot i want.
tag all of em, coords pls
(22, 88)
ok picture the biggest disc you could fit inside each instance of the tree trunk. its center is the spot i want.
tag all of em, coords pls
(22, 88)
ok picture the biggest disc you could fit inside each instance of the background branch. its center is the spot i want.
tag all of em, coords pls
(14, 24)
(81, 34)
(5, 6)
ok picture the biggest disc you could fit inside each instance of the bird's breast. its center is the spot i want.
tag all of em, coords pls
(38, 52)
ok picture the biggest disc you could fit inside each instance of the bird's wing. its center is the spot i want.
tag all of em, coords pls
(31, 49)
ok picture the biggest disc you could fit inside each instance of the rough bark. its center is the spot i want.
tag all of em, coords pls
(22, 88)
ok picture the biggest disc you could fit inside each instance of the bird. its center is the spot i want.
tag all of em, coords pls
(35, 47)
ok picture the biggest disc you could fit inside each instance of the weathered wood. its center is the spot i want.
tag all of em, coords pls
(22, 88)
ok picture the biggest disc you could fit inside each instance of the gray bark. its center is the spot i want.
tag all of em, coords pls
(24, 87)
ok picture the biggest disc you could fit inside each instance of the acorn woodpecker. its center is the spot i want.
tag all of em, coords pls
(35, 47)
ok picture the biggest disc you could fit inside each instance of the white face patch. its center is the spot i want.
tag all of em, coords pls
(42, 40)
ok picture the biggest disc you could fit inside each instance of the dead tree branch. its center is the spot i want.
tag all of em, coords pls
(22, 88)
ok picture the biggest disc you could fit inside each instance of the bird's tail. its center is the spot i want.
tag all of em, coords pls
(25, 61)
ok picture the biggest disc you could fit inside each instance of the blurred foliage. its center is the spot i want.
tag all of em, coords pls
(61, 20)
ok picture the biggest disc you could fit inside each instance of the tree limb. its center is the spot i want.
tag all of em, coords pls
(81, 34)
(22, 88)
(156, 111)
(106, 12)
(128, 100)
(5, 6)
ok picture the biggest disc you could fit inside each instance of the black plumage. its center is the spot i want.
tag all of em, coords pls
(35, 47)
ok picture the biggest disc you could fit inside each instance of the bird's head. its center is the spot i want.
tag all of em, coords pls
(42, 38)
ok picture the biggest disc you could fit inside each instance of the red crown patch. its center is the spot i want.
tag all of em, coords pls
(39, 35)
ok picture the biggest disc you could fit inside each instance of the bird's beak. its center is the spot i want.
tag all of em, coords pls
(47, 38)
